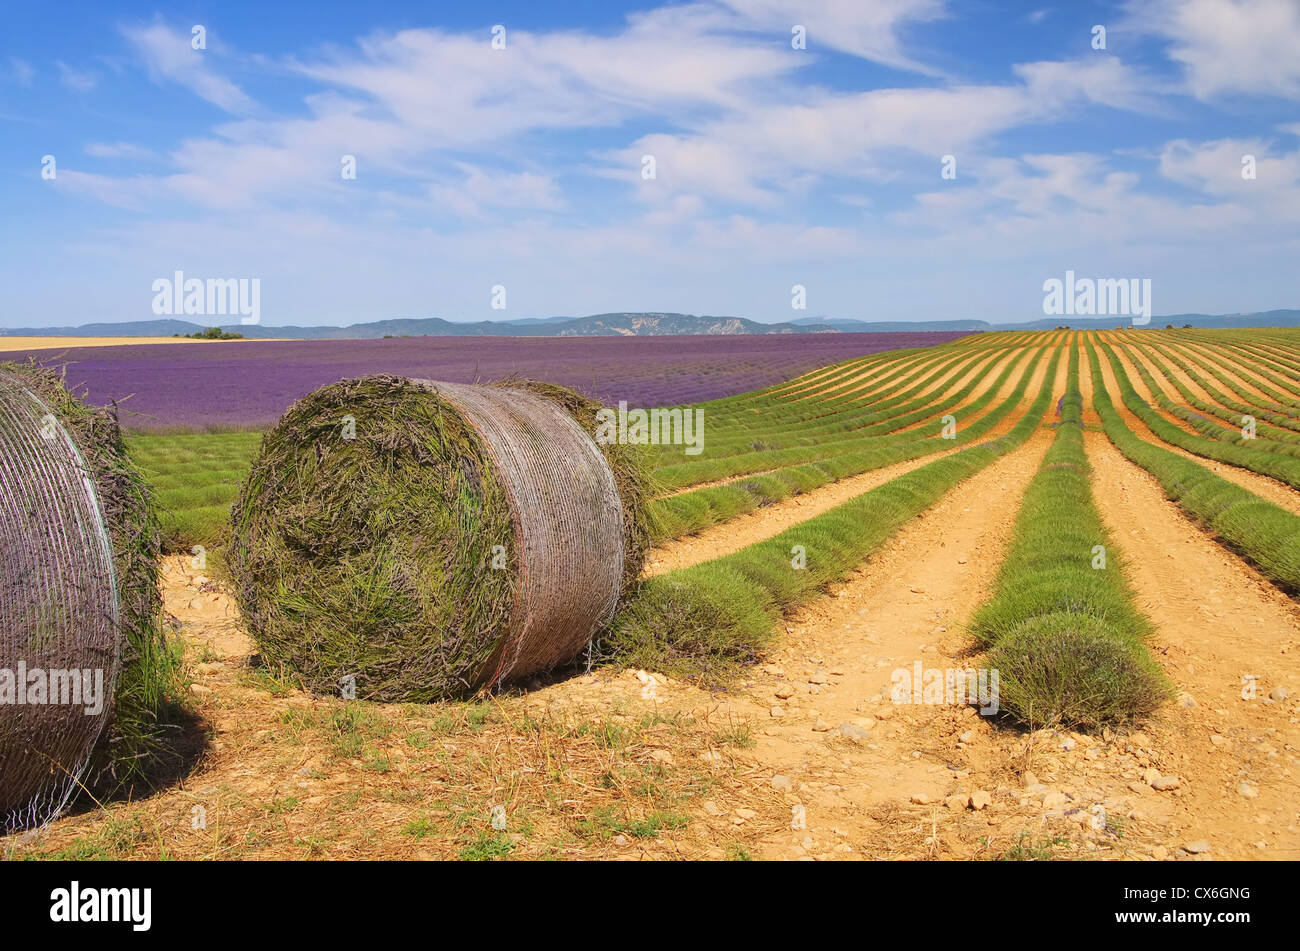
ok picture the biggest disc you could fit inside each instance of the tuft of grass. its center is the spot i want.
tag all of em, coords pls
(1027, 848)
(740, 736)
(488, 847)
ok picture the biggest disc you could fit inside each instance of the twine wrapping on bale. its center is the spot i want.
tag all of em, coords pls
(422, 540)
(79, 549)
(59, 607)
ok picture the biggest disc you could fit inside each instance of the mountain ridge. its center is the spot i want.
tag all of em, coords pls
(638, 324)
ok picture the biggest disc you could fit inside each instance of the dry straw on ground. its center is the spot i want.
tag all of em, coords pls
(419, 540)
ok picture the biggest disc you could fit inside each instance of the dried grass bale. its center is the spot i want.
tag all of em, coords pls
(422, 540)
(79, 548)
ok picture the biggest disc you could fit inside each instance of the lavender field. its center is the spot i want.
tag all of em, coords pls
(252, 384)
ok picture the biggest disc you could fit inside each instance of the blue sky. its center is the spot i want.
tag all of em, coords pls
(523, 167)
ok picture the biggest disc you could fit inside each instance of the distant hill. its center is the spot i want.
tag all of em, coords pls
(638, 325)
(1268, 318)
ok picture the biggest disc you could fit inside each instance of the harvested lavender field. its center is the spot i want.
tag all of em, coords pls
(245, 385)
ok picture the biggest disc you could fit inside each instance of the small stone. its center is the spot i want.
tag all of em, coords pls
(1166, 783)
(1150, 775)
(821, 726)
(1160, 853)
(200, 689)
(958, 802)
(711, 807)
(785, 691)
(1068, 743)
(1029, 779)
(1054, 801)
(1279, 694)
(1249, 791)
(661, 756)
(966, 737)
(620, 840)
(782, 783)
(743, 813)
(1185, 699)
(776, 712)
(921, 799)
(852, 731)
(1217, 740)
(980, 799)
(817, 677)
(1197, 847)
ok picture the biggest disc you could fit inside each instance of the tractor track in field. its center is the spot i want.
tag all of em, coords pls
(1217, 620)
(831, 673)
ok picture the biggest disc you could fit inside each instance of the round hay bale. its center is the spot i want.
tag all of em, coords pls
(60, 610)
(79, 547)
(421, 540)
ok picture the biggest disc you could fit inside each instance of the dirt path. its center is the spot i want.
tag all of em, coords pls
(1217, 621)
(853, 759)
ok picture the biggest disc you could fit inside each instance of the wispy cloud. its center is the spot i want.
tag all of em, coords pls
(168, 55)
(78, 80)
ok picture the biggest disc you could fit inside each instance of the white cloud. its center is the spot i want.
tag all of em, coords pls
(770, 148)
(75, 79)
(519, 191)
(1215, 169)
(168, 56)
(1228, 46)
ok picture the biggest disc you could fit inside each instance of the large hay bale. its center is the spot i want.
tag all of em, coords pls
(423, 540)
(78, 593)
